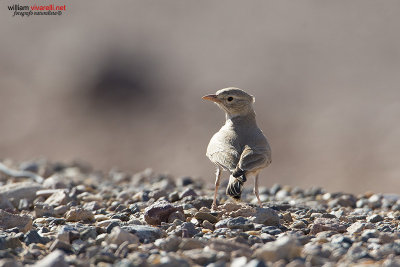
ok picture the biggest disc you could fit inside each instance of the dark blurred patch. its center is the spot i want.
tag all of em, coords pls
(123, 82)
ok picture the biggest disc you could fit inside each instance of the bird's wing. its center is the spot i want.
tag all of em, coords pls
(221, 151)
(253, 159)
(226, 158)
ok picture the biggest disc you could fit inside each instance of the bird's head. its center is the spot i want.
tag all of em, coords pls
(234, 101)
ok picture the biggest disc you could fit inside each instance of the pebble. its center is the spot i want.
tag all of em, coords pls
(119, 236)
(43, 210)
(206, 216)
(240, 223)
(285, 248)
(79, 214)
(159, 212)
(190, 243)
(54, 259)
(327, 224)
(145, 233)
(356, 227)
(33, 237)
(58, 198)
(266, 216)
(375, 218)
(8, 220)
(17, 191)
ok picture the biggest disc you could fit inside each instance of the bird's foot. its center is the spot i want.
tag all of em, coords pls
(214, 207)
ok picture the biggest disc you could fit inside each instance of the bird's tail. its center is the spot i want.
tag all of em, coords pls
(235, 186)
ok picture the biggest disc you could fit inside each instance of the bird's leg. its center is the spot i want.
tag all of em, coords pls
(217, 180)
(256, 190)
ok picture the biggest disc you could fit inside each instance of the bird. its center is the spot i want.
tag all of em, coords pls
(239, 147)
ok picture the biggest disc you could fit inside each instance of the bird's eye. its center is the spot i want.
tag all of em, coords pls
(230, 99)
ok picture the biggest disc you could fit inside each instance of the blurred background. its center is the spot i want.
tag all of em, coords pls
(119, 84)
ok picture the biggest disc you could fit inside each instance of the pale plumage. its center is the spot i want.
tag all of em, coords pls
(239, 147)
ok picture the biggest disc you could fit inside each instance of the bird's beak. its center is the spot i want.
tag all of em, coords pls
(212, 98)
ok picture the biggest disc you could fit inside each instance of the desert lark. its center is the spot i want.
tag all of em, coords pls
(239, 147)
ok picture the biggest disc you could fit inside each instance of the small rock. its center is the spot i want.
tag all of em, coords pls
(188, 192)
(266, 216)
(171, 261)
(159, 212)
(190, 243)
(79, 214)
(10, 263)
(187, 229)
(374, 201)
(89, 232)
(119, 236)
(33, 237)
(375, 218)
(287, 217)
(67, 234)
(206, 216)
(92, 206)
(169, 244)
(56, 181)
(177, 215)
(58, 198)
(145, 233)
(327, 224)
(206, 224)
(356, 227)
(9, 242)
(54, 259)
(229, 246)
(174, 196)
(60, 210)
(284, 247)
(200, 257)
(239, 262)
(43, 210)
(298, 225)
(5, 204)
(256, 263)
(347, 200)
(58, 244)
(8, 220)
(240, 223)
(106, 223)
(156, 194)
(184, 181)
(17, 191)
(200, 202)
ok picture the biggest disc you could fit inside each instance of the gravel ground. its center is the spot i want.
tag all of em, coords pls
(80, 217)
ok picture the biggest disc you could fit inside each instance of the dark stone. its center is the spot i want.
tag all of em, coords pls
(88, 233)
(33, 237)
(121, 216)
(186, 229)
(9, 242)
(145, 233)
(240, 223)
(188, 192)
(272, 230)
(111, 226)
(200, 202)
(159, 212)
(184, 181)
(56, 221)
